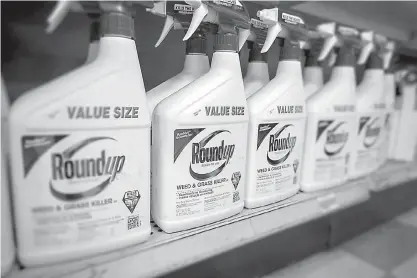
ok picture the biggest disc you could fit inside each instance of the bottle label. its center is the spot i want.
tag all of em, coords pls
(80, 188)
(278, 155)
(386, 130)
(333, 138)
(370, 137)
(208, 168)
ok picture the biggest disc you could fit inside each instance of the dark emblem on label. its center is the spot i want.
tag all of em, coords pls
(295, 165)
(131, 199)
(236, 179)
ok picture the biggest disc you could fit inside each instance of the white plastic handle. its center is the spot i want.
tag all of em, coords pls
(168, 24)
(367, 37)
(200, 11)
(329, 42)
(58, 14)
(388, 55)
(270, 18)
(243, 36)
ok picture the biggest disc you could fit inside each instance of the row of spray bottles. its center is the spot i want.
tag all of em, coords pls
(82, 143)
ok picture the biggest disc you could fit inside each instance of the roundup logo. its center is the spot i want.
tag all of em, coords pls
(281, 145)
(372, 132)
(101, 170)
(336, 139)
(218, 156)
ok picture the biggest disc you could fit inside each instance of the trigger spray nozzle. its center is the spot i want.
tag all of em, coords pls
(270, 18)
(387, 57)
(368, 38)
(200, 12)
(329, 42)
(57, 15)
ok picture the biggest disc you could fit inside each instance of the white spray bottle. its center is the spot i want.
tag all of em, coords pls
(330, 128)
(8, 252)
(199, 133)
(387, 48)
(80, 144)
(317, 47)
(277, 118)
(370, 111)
(178, 15)
(257, 74)
(405, 142)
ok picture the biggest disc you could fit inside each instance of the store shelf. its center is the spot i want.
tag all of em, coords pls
(163, 252)
(166, 252)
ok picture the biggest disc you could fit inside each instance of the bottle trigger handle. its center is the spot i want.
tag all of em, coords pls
(243, 36)
(58, 14)
(368, 48)
(329, 42)
(168, 24)
(270, 18)
(200, 11)
(271, 35)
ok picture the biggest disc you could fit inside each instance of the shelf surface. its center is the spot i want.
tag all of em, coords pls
(163, 253)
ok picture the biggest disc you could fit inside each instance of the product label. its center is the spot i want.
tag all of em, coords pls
(256, 23)
(278, 155)
(333, 138)
(208, 163)
(292, 19)
(79, 187)
(183, 9)
(370, 133)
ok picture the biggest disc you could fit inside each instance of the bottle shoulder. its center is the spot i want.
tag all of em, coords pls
(94, 85)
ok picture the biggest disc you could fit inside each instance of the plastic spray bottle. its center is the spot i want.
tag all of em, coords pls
(329, 140)
(178, 15)
(80, 144)
(405, 141)
(199, 176)
(257, 74)
(316, 48)
(370, 107)
(277, 118)
(388, 48)
(8, 252)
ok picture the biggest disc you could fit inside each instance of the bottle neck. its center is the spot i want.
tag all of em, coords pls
(314, 75)
(92, 51)
(257, 70)
(344, 73)
(290, 67)
(373, 74)
(226, 60)
(118, 49)
(196, 64)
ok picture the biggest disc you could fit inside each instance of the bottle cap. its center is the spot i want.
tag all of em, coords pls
(196, 44)
(255, 54)
(117, 24)
(226, 42)
(374, 61)
(345, 57)
(290, 51)
(95, 29)
(312, 55)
